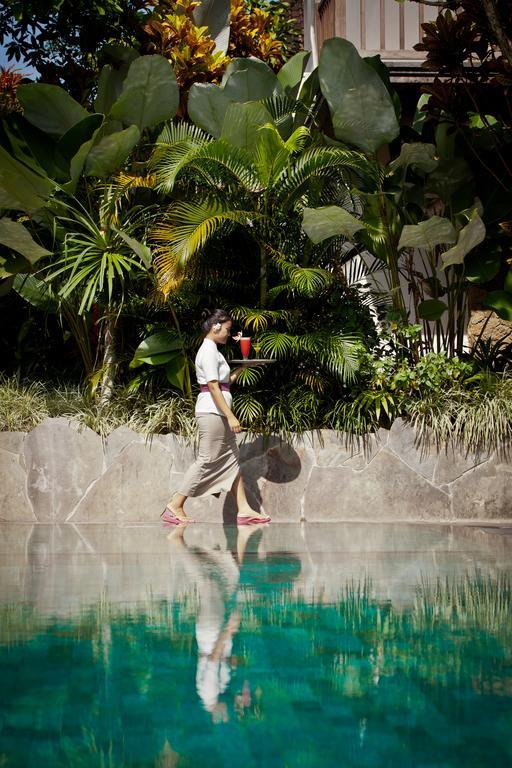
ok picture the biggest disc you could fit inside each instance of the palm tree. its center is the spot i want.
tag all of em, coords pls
(257, 183)
(99, 255)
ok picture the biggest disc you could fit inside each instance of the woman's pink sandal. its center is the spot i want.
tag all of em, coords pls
(244, 520)
(168, 516)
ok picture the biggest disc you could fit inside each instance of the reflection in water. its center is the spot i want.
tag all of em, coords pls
(240, 667)
(218, 576)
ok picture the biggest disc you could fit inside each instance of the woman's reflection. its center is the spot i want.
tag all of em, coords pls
(216, 573)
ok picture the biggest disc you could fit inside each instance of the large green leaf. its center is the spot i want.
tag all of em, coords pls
(69, 144)
(49, 107)
(13, 264)
(207, 106)
(501, 303)
(361, 108)
(36, 292)
(111, 151)
(376, 63)
(428, 234)
(480, 267)
(290, 75)
(157, 349)
(77, 162)
(30, 145)
(453, 176)
(249, 80)
(469, 237)
(150, 93)
(431, 309)
(214, 14)
(20, 188)
(16, 237)
(175, 370)
(242, 123)
(310, 89)
(329, 221)
(110, 87)
(417, 155)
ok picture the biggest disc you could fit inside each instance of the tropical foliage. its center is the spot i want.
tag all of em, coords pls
(206, 172)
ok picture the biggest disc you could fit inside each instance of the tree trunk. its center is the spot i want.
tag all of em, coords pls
(497, 28)
(109, 357)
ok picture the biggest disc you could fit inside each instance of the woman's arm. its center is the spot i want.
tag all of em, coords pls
(235, 374)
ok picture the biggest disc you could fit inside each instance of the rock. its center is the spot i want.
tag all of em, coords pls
(12, 441)
(419, 456)
(330, 449)
(387, 489)
(487, 325)
(286, 476)
(15, 506)
(118, 440)
(454, 463)
(135, 487)
(182, 453)
(483, 493)
(62, 460)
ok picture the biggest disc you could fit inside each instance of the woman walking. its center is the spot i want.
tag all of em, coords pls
(217, 467)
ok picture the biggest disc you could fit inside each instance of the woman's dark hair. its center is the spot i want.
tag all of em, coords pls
(211, 316)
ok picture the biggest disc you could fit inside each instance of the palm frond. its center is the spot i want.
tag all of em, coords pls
(174, 149)
(305, 281)
(319, 162)
(298, 139)
(257, 320)
(247, 408)
(277, 344)
(221, 164)
(338, 353)
(127, 181)
(250, 376)
(186, 230)
(176, 132)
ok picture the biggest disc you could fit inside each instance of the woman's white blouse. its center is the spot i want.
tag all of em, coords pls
(211, 365)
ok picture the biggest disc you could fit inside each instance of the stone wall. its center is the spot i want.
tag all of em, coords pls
(61, 472)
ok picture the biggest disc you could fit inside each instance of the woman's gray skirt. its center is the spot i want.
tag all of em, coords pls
(218, 461)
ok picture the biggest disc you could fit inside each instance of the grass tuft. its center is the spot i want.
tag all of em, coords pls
(24, 405)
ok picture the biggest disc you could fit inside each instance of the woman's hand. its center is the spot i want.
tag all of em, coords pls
(234, 424)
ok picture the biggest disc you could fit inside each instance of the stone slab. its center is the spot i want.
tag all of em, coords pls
(386, 490)
(118, 439)
(419, 456)
(14, 503)
(454, 463)
(62, 460)
(181, 452)
(135, 487)
(484, 492)
(12, 441)
(285, 480)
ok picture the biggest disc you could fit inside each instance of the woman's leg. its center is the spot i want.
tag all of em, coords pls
(176, 504)
(243, 507)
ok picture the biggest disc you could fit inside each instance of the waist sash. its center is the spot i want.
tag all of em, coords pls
(224, 387)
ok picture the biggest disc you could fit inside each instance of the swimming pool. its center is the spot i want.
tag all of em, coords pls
(316, 645)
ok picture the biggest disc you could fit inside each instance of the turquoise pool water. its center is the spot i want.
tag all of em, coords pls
(330, 646)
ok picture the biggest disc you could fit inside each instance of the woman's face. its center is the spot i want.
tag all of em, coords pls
(222, 336)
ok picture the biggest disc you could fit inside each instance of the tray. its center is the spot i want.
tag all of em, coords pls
(252, 361)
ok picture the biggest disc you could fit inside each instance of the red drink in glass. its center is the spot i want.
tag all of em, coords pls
(245, 346)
